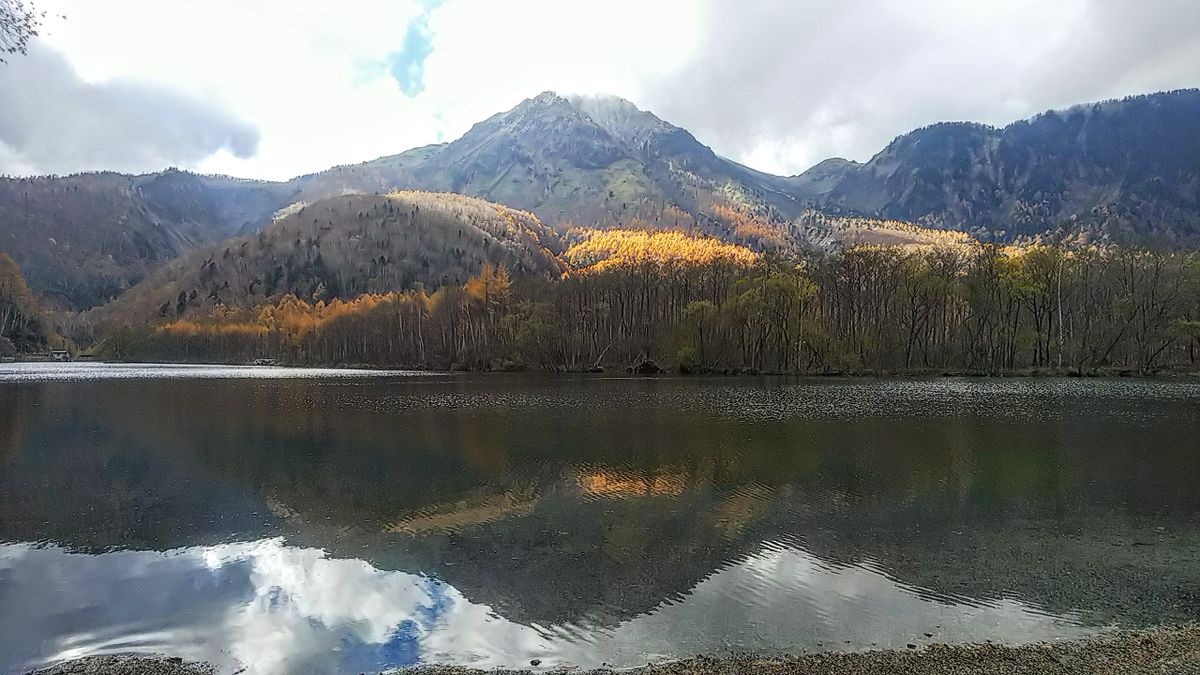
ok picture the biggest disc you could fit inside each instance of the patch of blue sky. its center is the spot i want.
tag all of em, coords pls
(407, 65)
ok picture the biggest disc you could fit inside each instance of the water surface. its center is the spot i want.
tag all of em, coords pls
(339, 521)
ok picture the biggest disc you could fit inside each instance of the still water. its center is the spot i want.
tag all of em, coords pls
(336, 521)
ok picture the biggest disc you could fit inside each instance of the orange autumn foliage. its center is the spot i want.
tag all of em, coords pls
(492, 283)
(601, 250)
(290, 316)
(610, 485)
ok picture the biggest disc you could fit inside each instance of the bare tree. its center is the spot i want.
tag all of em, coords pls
(19, 22)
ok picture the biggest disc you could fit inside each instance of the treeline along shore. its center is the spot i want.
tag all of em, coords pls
(709, 307)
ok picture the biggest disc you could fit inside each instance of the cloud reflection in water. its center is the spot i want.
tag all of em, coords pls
(273, 608)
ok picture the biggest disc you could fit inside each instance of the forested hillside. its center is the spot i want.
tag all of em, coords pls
(85, 239)
(23, 327)
(92, 236)
(1126, 171)
(698, 305)
(1116, 172)
(583, 161)
(343, 247)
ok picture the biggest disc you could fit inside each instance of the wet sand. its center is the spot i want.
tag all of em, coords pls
(1166, 651)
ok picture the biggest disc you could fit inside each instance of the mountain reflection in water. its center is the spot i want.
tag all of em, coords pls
(354, 522)
(278, 609)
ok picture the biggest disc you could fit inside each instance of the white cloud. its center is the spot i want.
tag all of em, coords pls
(71, 124)
(779, 86)
(271, 608)
(311, 77)
(291, 68)
(785, 85)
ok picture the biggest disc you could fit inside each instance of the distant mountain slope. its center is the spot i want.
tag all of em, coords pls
(84, 239)
(595, 162)
(1125, 170)
(342, 247)
(686, 168)
(544, 155)
(580, 161)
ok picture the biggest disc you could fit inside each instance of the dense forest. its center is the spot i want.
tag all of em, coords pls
(650, 300)
(23, 328)
(343, 247)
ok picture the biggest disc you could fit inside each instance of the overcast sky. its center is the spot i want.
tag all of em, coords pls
(275, 88)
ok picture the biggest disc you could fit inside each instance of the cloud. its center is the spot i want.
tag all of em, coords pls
(260, 606)
(782, 86)
(54, 122)
(271, 608)
(1119, 47)
(777, 85)
(300, 71)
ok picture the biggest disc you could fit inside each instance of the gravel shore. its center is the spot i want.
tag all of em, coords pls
(1173, 651)
(127, 665)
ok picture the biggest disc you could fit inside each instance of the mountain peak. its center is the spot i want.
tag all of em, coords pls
(605, 101)
(546, 98)
(542, 109)
(1122, 170)
(621, 118)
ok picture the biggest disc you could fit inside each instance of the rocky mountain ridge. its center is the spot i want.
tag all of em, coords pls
(1124, 171)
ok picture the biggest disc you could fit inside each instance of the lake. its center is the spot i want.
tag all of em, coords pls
(283, 520)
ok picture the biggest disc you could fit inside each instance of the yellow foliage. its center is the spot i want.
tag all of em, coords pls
(186, 328)
(490, 285)
(747, 225)
(606, 484)
(600, 250)
(295, 318)
(291, 316)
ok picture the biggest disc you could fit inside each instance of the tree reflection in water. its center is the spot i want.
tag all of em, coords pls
(586, 520)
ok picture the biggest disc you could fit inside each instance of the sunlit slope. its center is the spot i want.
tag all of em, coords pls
(604, 250)
(343, 247)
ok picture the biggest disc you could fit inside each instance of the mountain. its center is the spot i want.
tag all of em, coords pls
(342, 247)
(85, 239)
(1125, 171)
(544, 155)
(582, 161)
(587, 161)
